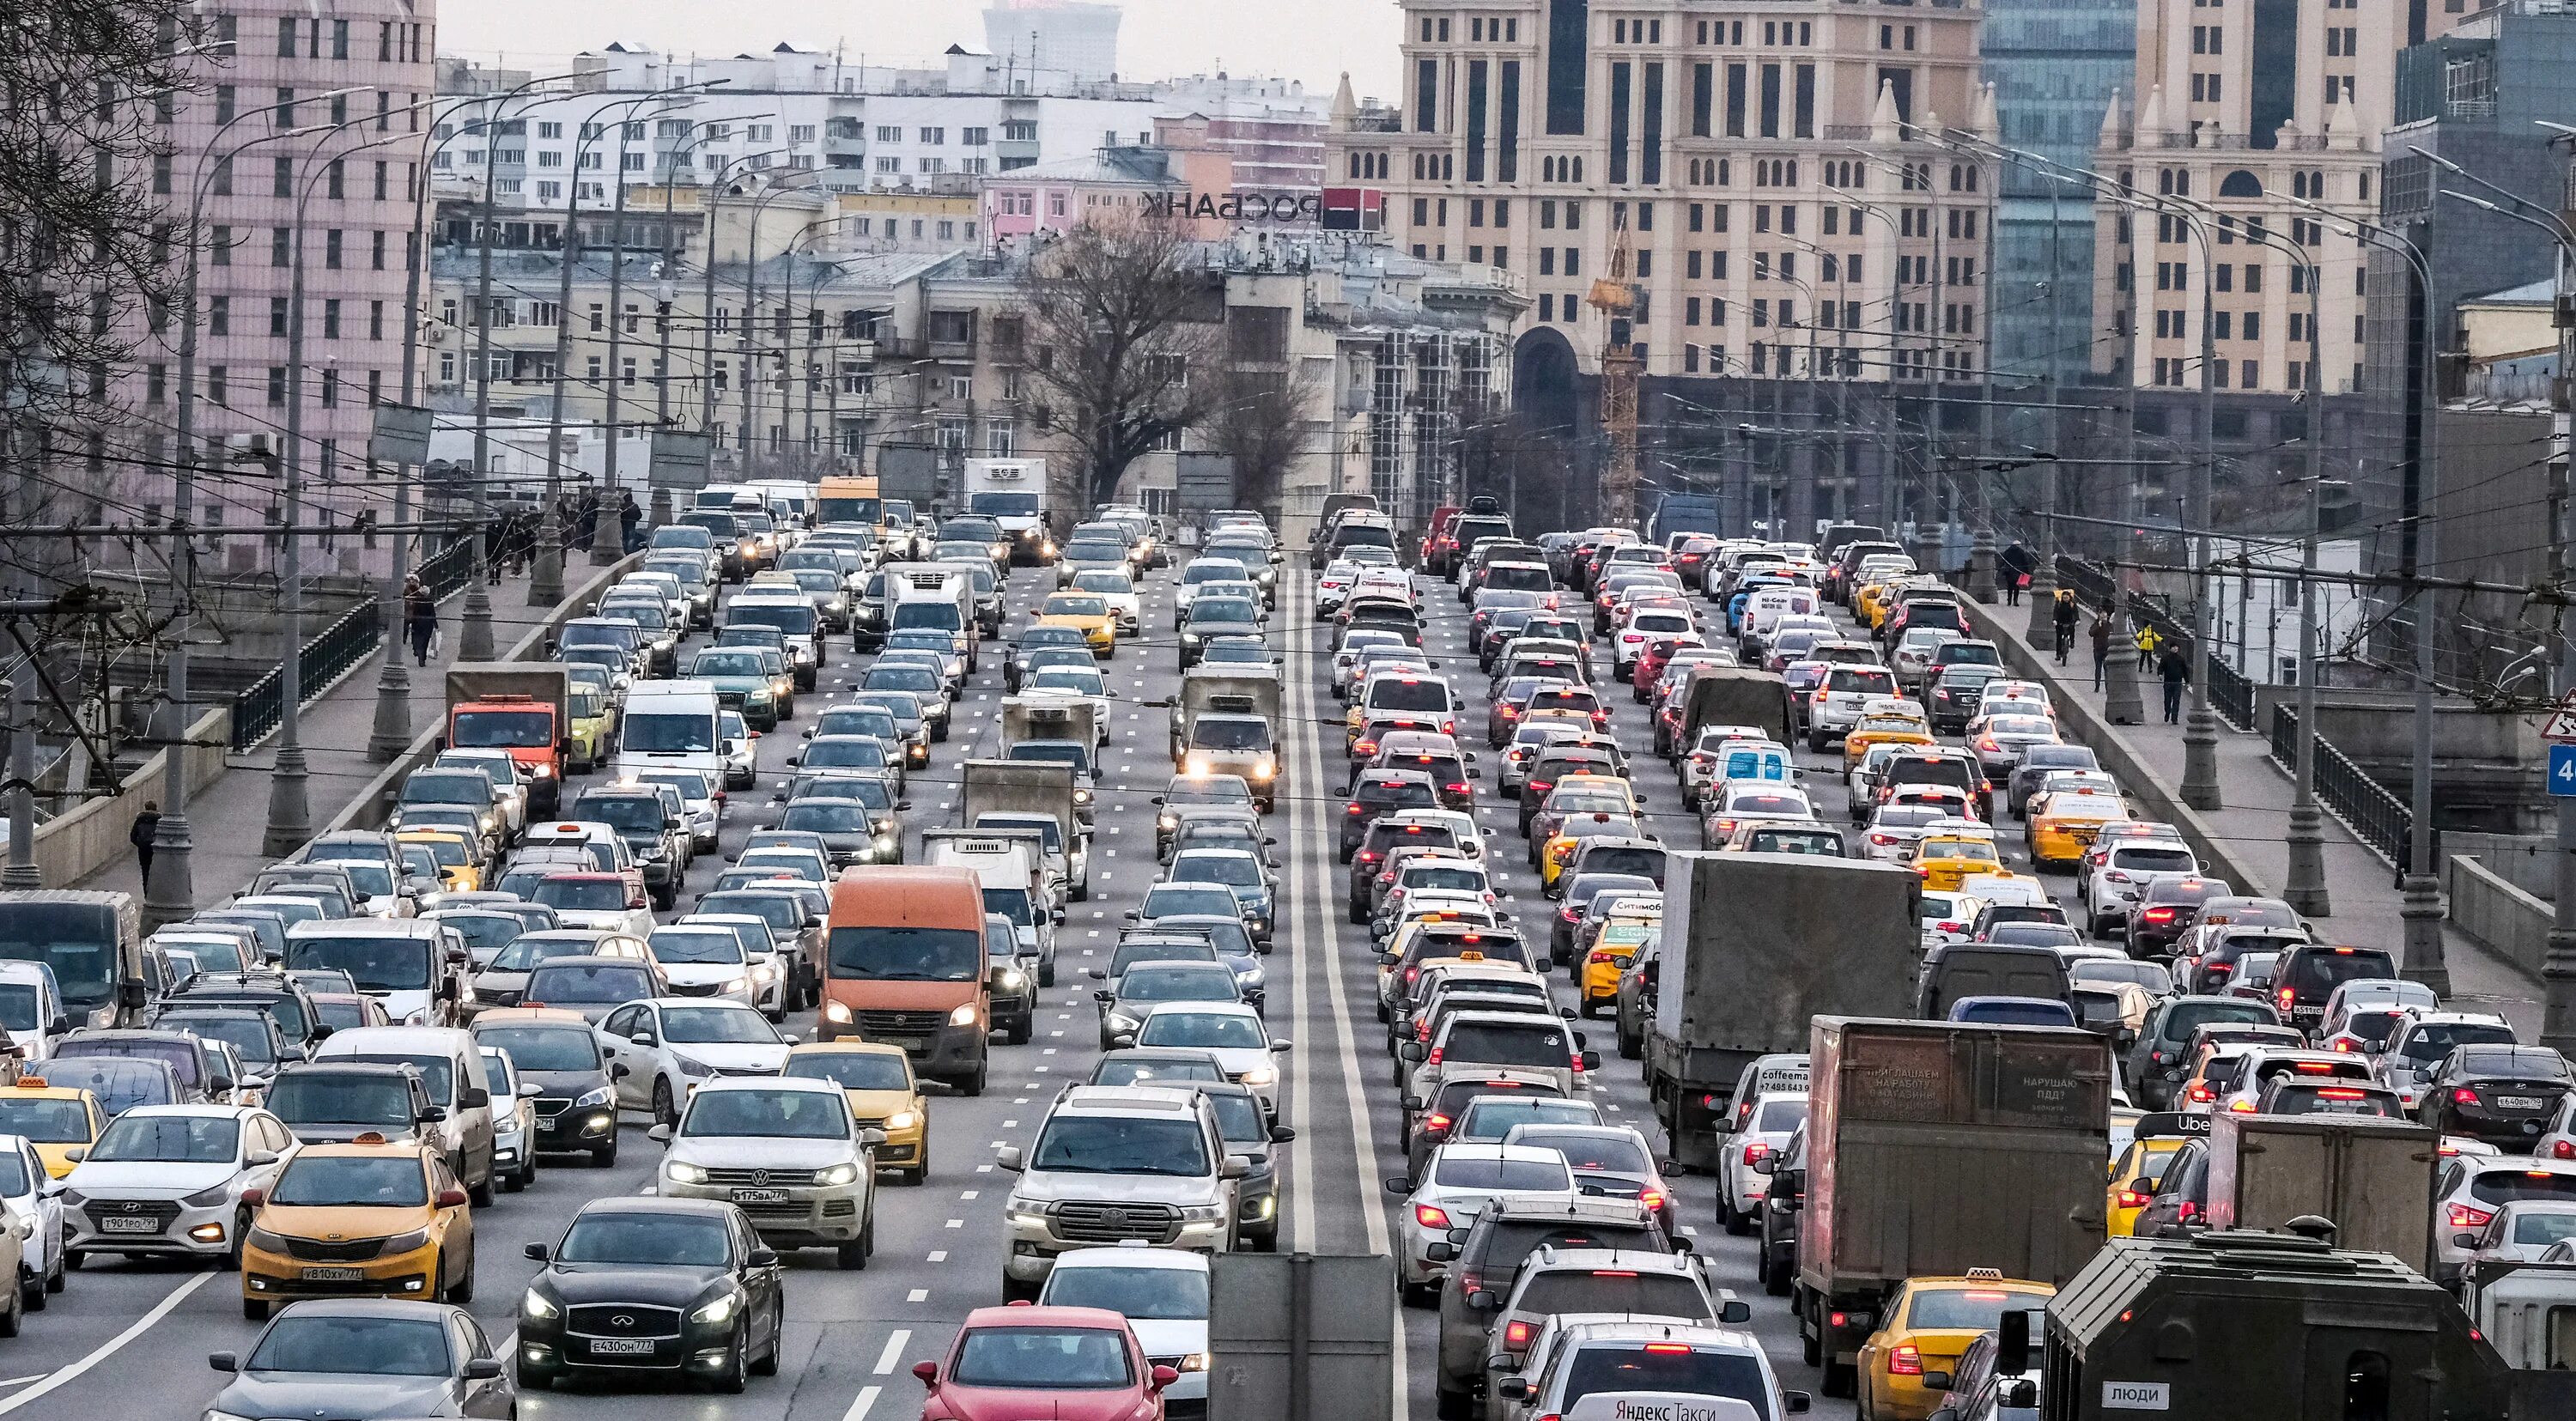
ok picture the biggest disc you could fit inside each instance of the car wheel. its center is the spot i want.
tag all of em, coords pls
(664, 1112)
(1738, 1222)
(766, 1364)
(256, 1309)
(54, 1281)
(1841, 1379)
(513, 1182)
(73, 1258)
(535, 1378)
(851, 1256)
(31, 1294)
(462, 1290)
(1631, 1047)
(241, 1234)
(1775, 1279)
(1811, 1345)
(605, 1156)
(737, 1370)
(974, 1085)
(482, 1193)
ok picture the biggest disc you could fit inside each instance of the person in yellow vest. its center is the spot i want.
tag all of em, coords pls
(2148, 642)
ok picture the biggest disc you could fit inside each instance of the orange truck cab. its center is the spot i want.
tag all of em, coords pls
(903, 963)
(522, 707)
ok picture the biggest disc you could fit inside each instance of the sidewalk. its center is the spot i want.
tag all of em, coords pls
(226, 819)
(2255, 820)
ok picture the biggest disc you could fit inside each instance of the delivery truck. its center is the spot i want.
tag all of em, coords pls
(1754, 947)
(524, 707)
(1934, 1147)
(1012, 492)
(1009, 794)
(2371, 1177)
(1736, 696)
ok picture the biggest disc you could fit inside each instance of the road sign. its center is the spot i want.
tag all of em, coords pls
(2562, 771)
(2561, 724)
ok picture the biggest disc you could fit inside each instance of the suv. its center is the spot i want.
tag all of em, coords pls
(1116, 1164)
(642, 817)
(1594, 1280)
(334, 1102)
(1482, 1258)
(784, 1150)
(2308, 974)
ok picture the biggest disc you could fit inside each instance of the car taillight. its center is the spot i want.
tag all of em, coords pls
(2157, 915)
(2562, 1149)
(1516, 1335)
(2464, 1096)
(2286, 995)
(1598, 955)
(1459, 788)
(2132, 1199)
(2202, 1093)
(1569, 912)
(2465, 1216)
(1436, 1125)
(1431, 1216)
(1651, 1198)
(1756, 1152)
(1905, 1361)
(1601, 716)
(1435, 1056)
(1352, 808)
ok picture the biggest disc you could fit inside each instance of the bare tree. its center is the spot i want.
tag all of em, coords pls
(1263, 418)
(1125, 334)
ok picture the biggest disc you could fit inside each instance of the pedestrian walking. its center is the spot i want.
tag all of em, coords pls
(2148, 641)
(147, 825)
(585, 526)
(2101, 634)
(2176, 670)
(628, 517)
(2017, 565)
(420, 618)
(2063, 617)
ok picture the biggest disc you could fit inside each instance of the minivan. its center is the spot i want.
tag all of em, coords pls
(904, 963)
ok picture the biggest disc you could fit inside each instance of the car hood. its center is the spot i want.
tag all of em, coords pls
(1055, 1187)
(1170, 1337)
(760, 1152)
(325, 1396)
(694, 974)
(146, 1180)
(658, 1285)
(736, 1057)
(968, 1403)
(565, 1083)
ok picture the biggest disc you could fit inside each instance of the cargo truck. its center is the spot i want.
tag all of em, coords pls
(1012, 492)
(1004, 794)
(1047, 718)
(1754, 947)
(2525, 1310)
(2371, 1177)
(1936, 1147)
(1012, 867)
(1683, 513)
(524, 707)
(1736, 696)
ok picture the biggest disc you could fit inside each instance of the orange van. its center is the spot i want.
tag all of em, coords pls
(904, 964)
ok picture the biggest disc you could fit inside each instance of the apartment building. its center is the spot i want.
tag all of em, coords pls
(2248, 110)
(1770, 175)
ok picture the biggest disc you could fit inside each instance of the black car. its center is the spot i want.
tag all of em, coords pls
(369, 1357)
(2305, 976)
(333, 1102)
(1951, 702)
(2180, 1206)
(682, 1287)
(1775, 1265)
(576, 1101)
(2504, 1095)
(2037, 763)
(1249, 1133)
(1377, 793)
(643, 820)
(2165, 908)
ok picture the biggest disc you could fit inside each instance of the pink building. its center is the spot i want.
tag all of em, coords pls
(1176, 177)
(362, 63)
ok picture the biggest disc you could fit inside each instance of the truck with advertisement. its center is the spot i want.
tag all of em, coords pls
(1754, 947)
(523, 707)
(2371, 1177)
(1010, 794)
(1935, 1147)
(1012, 492)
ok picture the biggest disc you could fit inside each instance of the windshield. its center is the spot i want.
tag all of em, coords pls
(247, 1033)
(1178, 985)
(78, 940)
(1973, 1310)
(345, 1181)
(1092, 1144)
(179, 1054)
(1222, 1031)
(512, 729)
(724, 1026)
(672, 945)
(1506, 1043)
(588, 983)
(770, 1114)
(1040, 1358)
(1668, 1295)
(651, 1240)
(907, 954)
(341, 1098)
(1012, 903)
(2436, 1040)
(437, 1073)
(1225, 733)
(364, 1346)
(377, 964)
(581, 895)
(1514, 1175)
(851, 1070)
(941, 615)
(1693, 1371)
(544, 1048)
(45, 1121)
(672, 732)
(169, 1139)
(1150, 1294)
(524, 953)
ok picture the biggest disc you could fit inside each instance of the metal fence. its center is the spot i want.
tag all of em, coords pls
(447, 569)
(2376, 816)
(259, 706)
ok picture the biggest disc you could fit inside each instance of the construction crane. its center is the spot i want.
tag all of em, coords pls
(1615, 297)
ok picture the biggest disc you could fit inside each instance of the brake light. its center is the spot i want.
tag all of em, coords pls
(1668, 1349)
(2188, 1212)
(2331, 1093)
(2314, 1068)
(1458, 788)
(2286, 995)
(2464, 1096)
(1905, 1361)
(1430, 1216)
(2132, 1199)
(1516, 1335)
(2465, 1216)
(1651, 1198)
(1435, 1055)
(2202, 1093)
(1352, 808)
(1756, 1152)
(2561, 1149)
(2157, 915)
(1436, 1125)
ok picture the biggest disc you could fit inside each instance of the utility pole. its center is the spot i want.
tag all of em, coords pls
(1615, 297)
(2199, 787)
(2305, 887)
(2043, 574)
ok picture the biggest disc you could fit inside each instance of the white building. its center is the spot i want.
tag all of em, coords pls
(1078, 38)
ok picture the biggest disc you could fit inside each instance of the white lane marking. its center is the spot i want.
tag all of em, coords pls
(917, 1295)
(956, 1223)
(968, 1194)
(108, 1348)
(939, 1255)
(867, 1398)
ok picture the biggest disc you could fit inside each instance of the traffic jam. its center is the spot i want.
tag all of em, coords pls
(1700, 967)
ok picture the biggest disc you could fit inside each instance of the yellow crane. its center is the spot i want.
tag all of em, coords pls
(1615, 297)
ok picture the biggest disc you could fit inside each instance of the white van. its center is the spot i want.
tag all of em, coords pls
(934, 598)
(669, 725)
(451, 1066)
(415, 967)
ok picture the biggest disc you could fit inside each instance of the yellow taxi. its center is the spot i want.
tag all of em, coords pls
(1929, 1324)
(1086, 612)
(458, 867)
(55, 1119)
(364, 1219)
(592, 721)
(883, 1094)
(1610, 955)
(1878, 726)
(2061, 826)
(2133, 1180)
(1942, 860)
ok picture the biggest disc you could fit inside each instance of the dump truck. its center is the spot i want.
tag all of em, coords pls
(1016, 793)
(1934, 1147)
(2245, 1323)
(1737, 696)
(2371, 1177)
(524, 707)
(1754, 947)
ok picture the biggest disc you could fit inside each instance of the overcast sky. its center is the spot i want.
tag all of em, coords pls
(1312, 40)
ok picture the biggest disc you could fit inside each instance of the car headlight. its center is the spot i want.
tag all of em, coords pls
(964, 1015)
(1203, 1214)
(1197, 765)
(837, 1174)
(214, 1415)
(763, 972)
(903, 1120)
(836, 1012)
(734, 984)
(404, 1243)
(1194, 1362)
(1260, 1075)
(589, 1099)
(265, 1241)
(1264, 770)
(202, 1199)
(1082, 796)
(1013, 978)
(541, 771)
(538, 1306)
(1167, 821)
(717, 1312)
(683, 1172)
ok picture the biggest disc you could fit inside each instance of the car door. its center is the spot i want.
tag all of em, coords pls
(635, 1087)
(487, 1397)
(761, 1280)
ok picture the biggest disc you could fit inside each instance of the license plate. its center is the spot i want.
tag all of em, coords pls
(621, 1347)
(2518, 1102)
(760, 1196)
(333, 1275)
(114, 1225)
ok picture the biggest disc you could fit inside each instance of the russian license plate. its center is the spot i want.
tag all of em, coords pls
(621, 1347)
(116, 1224)
(333, 1275)
(760, 1196)
(2518, 1102)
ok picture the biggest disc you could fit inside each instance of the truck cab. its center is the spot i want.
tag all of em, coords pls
(522, 708)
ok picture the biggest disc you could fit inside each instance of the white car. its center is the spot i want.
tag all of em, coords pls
(703, 960)
(1163, 1294)
(1894, 830)
(32, 1010)
(167, 1180)
(684, 1043)
(2471, 1190)
(1767, 1127)
(1119, 591)
(1346, 661)
(1470, 834)
(37, 1207)
(514, 1121)
(787, 1152)
(2111, 888)
(1946, 917)
(1231, 1031)
(1458, 1181)
(1333, 584)
(700, 808)
(2520, 1232)
(767, 968)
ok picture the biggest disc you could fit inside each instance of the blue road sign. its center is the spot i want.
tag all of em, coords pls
(2562, 771)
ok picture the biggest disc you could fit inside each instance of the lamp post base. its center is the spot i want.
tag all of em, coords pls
(474, 628)
(2200, 760)
(2305, 889)
(2558, 987)
(2422, 910)
(290, 814)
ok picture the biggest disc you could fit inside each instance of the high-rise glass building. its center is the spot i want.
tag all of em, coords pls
(2056, 65)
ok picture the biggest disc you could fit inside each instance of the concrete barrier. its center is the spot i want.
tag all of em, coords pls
(2510, 922)
(2083, 724)
(72, 846)
(374, 801)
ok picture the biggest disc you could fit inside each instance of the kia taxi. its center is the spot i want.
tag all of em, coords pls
(1086, 612)
(1943, 860)
(364, 1219)
(55, 1119)
(1928, 1325)
(884, 1095)
(2062, 825)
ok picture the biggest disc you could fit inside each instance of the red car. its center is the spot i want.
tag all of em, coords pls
(1072, 1364)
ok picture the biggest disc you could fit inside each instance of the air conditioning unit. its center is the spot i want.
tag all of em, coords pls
(255, 445)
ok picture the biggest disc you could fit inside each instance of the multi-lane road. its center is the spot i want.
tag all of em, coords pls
(127, 1341)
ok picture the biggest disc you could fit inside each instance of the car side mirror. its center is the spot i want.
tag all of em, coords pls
(1795, 1403)
(1440, 1252)
(1397, 1185)
(483, 1369)
(617, 1071)
(1591, 1060)
(1735, 1312)
(1165, 1376)
(1482, 1300)
(2022, 1393)
(1412, 1102)
(1282, 1134)
(927, 1371)
(1413, 1051)
(1010, 1159)
(475, 1097)
(224, 1361)
(1765, 1165)
(1936, 1381)
(1512, 1389)
(659, 1134)
(1120, 1041)
(538, 1253)
(1279, 1046)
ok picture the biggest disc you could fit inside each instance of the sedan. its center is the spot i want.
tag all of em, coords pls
(677, 1287)
(364, 1358)
(168, 1180)
(1458, 1181)
(1073, 1363)
(28, 1197)
(1232, 1032)
(672, 1045)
